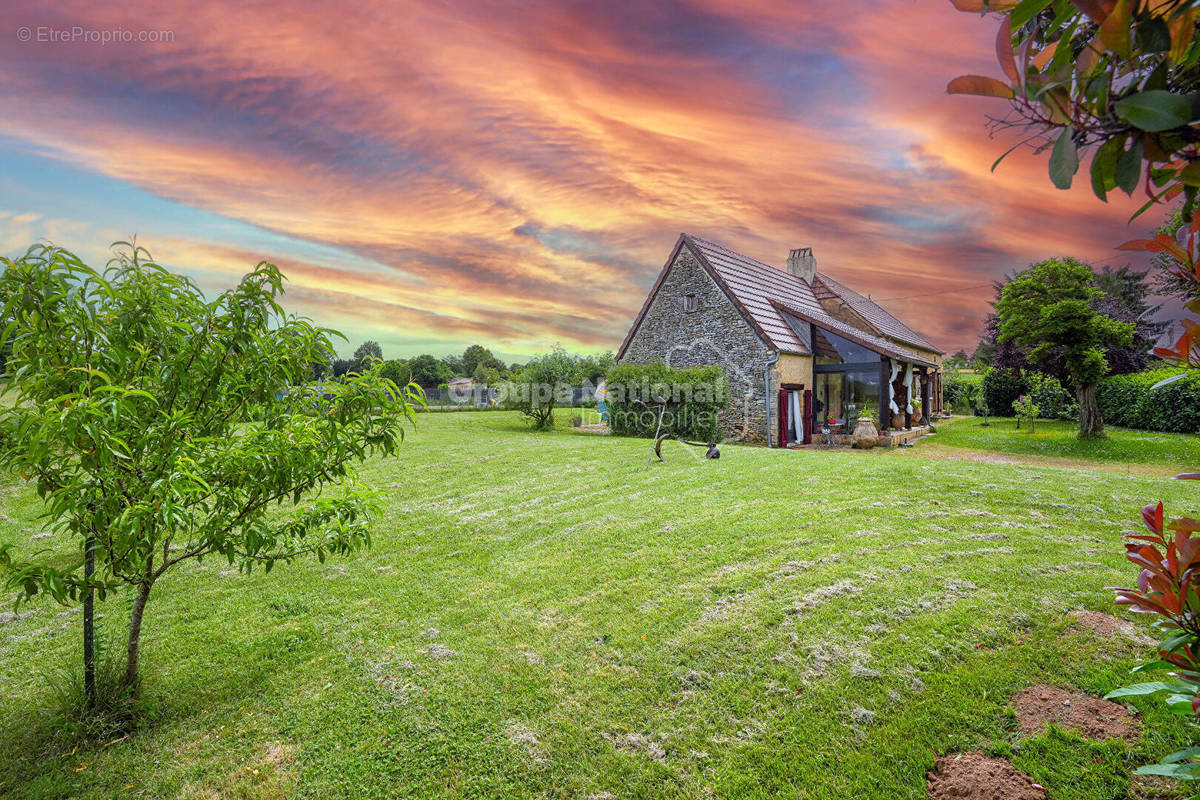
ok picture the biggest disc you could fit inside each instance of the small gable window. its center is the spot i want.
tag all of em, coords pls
(689, 303)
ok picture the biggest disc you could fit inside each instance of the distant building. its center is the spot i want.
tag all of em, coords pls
(800, 350)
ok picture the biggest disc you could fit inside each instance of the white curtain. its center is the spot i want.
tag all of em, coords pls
(795, 416)
(908, 380)
(892, 382)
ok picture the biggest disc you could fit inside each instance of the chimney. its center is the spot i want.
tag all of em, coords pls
(802, 263)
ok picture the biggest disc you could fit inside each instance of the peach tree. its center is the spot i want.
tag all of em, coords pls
(159, 426)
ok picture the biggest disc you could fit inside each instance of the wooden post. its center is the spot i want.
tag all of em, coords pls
(808, 416)
(782, 416)
(903, 391)
(925, 394)
(885, 392)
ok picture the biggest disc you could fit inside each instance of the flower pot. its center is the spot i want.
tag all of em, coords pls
(866, 435)
(898, 420)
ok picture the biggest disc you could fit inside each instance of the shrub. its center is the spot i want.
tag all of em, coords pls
(1001, 387)
(695, 398)
(1168, 557)
(1127, 400)
(959, 392)
(541, 384)
(1026, 409)
(1051, 397)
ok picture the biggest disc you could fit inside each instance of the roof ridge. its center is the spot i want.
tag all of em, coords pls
(744, 257)
(751, 259)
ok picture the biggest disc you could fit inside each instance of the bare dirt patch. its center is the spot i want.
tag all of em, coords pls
(439, 652)
(1093, 717)
(974, 776)
(522, 738)
(819, 597)
(638, 743)
(281, 754)
(10, 616)
(1108, 625)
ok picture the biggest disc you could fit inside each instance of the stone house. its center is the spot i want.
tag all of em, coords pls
(803, 353)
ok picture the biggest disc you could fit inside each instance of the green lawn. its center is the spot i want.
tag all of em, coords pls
(543, 616)
(1059, 439)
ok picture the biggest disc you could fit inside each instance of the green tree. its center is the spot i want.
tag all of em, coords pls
(486, 375)
(1124, 293)
(159, 427)
(455, 365)
(428, 371)
(369, 352)
(397, 371)
(592, 369)
(545, 381)
(1048, 311)
(984, 352)
(477, 354)
(958, 360)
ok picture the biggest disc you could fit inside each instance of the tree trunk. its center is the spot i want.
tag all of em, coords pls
(1091, 424)
(135, 637)
(89, 626)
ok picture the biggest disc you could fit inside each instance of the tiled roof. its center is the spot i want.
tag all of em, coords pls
(873, 313)
(759, 291)
(753, 285)
(797, 317)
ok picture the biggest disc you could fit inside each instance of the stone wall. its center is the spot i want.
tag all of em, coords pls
(715, 333)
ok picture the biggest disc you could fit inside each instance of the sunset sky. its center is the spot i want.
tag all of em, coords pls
(436, 174)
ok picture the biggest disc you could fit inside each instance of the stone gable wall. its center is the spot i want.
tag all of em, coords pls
(716, 333)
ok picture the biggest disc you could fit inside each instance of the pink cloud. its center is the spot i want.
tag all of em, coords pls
(523, 174)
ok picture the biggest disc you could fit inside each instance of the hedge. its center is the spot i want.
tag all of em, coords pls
(959, 391)
(1054, 401)
(695, 398)
(1002, 386)
(1126, 401)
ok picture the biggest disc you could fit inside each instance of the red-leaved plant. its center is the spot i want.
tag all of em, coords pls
(1169, 586)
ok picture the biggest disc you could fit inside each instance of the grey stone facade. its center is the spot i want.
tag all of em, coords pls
(715, 333)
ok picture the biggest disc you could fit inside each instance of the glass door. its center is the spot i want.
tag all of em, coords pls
(828, 398)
